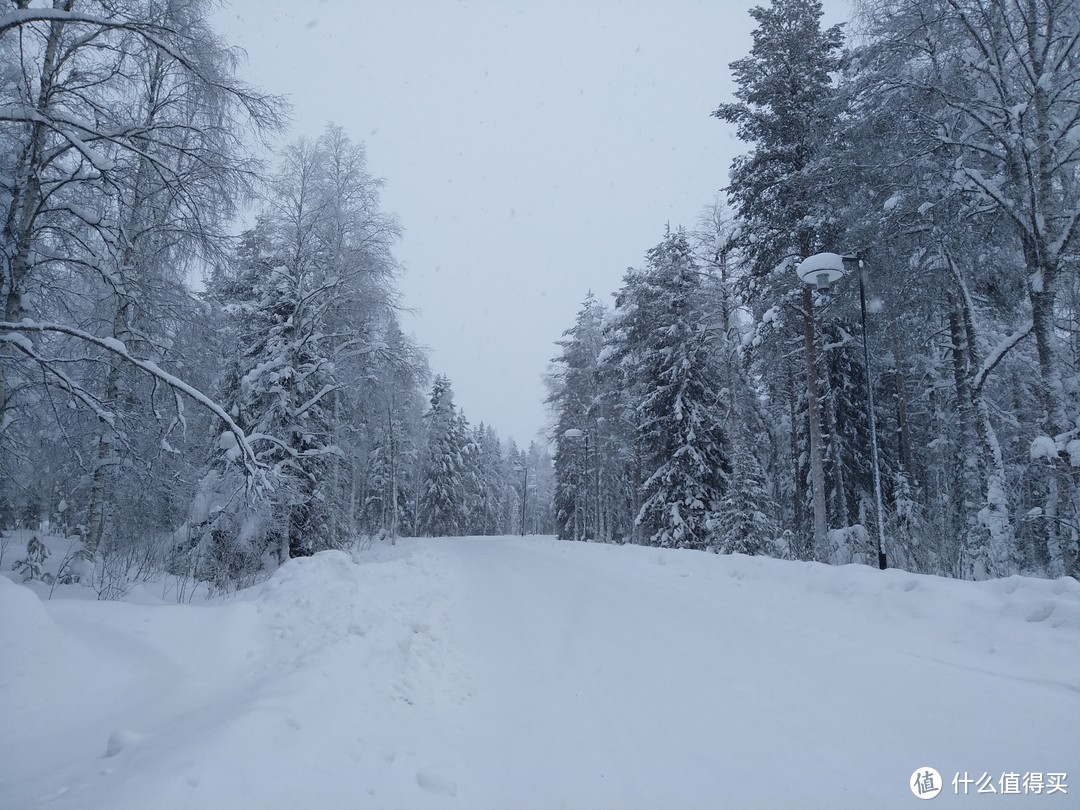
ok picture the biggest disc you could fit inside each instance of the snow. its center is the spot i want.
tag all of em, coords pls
(227, 442)
(100, 162)
(1043, 447)
(829, 265)
(113, 345)
(87, 215)
(18, 339)
(527, 673)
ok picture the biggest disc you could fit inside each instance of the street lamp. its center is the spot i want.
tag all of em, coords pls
(821, 270)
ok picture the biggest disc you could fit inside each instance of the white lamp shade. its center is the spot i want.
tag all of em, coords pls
(821, 269)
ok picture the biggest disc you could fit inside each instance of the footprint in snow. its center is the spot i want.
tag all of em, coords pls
(436, 783)
(1041, 614)
(121, 741)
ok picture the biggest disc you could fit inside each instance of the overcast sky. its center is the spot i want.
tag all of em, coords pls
(532, 151)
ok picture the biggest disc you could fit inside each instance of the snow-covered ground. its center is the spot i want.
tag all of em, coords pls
(525, 673)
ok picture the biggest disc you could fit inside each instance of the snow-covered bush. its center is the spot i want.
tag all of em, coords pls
(32, 565)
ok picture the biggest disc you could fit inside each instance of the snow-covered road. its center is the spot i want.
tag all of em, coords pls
(527, 673)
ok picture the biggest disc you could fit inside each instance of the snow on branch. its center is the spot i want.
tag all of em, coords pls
(311, 403)
(262, 109)
(26, 346)
(99, 161)
(15, 335)
(996, 356)
(26, 16)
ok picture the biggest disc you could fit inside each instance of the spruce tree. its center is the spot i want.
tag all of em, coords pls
(787, 110)
(443, 509)
(680, 421)
(746, 522)
(575, 394)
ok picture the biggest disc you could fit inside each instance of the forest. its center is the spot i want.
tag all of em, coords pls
(181, 394)
(728, 403)
(174, 396)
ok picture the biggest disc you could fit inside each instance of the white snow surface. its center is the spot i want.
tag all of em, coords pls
(528, 673)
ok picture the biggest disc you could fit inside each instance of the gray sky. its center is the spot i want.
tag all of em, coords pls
(532, 151)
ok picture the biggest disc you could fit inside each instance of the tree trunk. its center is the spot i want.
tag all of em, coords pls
(841, 510)
(903, 431)
(799, 483)
(23, 211)
(98, 511)
(970, 482)
(989, 542)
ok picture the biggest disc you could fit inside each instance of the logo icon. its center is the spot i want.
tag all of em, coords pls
(925, 783)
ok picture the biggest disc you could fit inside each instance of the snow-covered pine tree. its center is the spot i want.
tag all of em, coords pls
(443, 508)
(745, 521)
(751, 513)
(393, 411)
(847, 438)
(680, 421)
(540, 491)
(619, 393)
(226, 533)
(516, 466)
(786, 110)
(574, 395)
(284, 399)
(488, 482)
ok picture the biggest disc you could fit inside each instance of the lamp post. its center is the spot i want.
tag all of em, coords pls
(821, 270)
